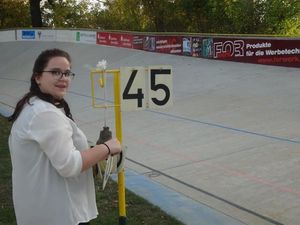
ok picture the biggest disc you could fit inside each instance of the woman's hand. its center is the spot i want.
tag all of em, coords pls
(100, 152)
(114, 146)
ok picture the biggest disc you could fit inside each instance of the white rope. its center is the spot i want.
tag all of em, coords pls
(110, 160)
(108, 169)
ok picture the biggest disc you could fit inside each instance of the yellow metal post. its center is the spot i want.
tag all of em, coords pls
(118, 124)
(118, 127)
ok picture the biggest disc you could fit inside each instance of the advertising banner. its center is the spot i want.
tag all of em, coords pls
(260, 51)
(26, 35)
(187, 46)
(45, 35)
(102, 38)
(36, 35)
(126, 40)
(149, 43)
(66, 35)
(9, 35)
(86, 37)
(169, 44)
(138, 41)
(192, 46)
(114, 39)
(207, 47)
(196, 46)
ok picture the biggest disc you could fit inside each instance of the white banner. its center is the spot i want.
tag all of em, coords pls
(66, 35)
(45, 35)
(86, 37)
(8, 35)
(26, 35)
(36, 35)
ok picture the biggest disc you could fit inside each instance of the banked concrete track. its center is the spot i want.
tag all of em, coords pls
(227, 151)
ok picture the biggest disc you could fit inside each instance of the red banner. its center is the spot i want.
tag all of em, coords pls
(149, 43)
(113, 39)
(270, 51)
(168, 44)
(192, 46)
(138, 42)
(260, 51)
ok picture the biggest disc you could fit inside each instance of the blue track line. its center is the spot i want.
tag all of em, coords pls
(209, 124)
(5, 78)
(195, 120)
(226, 127)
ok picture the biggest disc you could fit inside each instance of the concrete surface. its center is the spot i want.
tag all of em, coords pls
(230, 142)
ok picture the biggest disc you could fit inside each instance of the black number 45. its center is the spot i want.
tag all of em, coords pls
(153, 86)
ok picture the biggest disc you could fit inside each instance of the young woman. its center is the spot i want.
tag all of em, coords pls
(52, 176)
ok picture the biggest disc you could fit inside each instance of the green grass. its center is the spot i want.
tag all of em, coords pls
(138, 210)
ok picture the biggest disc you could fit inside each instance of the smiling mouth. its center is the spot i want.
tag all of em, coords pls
(61, 86)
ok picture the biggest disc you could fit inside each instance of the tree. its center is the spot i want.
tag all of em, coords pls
(240, 17)
(291, 26)
(278, 14)
(8, 11)
(70, 13)
(120, 15)
(196, 16)
(35, 12)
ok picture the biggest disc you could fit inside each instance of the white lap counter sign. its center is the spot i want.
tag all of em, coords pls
(146, 87)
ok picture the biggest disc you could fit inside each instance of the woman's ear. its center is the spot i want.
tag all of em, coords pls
(37, 79)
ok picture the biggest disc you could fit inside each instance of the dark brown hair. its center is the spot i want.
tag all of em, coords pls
(40, 64)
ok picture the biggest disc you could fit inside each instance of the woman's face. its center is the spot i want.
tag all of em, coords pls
(51, 81)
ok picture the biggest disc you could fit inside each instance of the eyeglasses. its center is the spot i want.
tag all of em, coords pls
(59, 74)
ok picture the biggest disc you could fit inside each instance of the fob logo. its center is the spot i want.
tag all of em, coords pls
(229, 49)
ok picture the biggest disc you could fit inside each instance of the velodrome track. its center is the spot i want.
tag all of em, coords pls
(230, 142)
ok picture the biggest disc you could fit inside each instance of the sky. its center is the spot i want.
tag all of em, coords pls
(91, 1)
